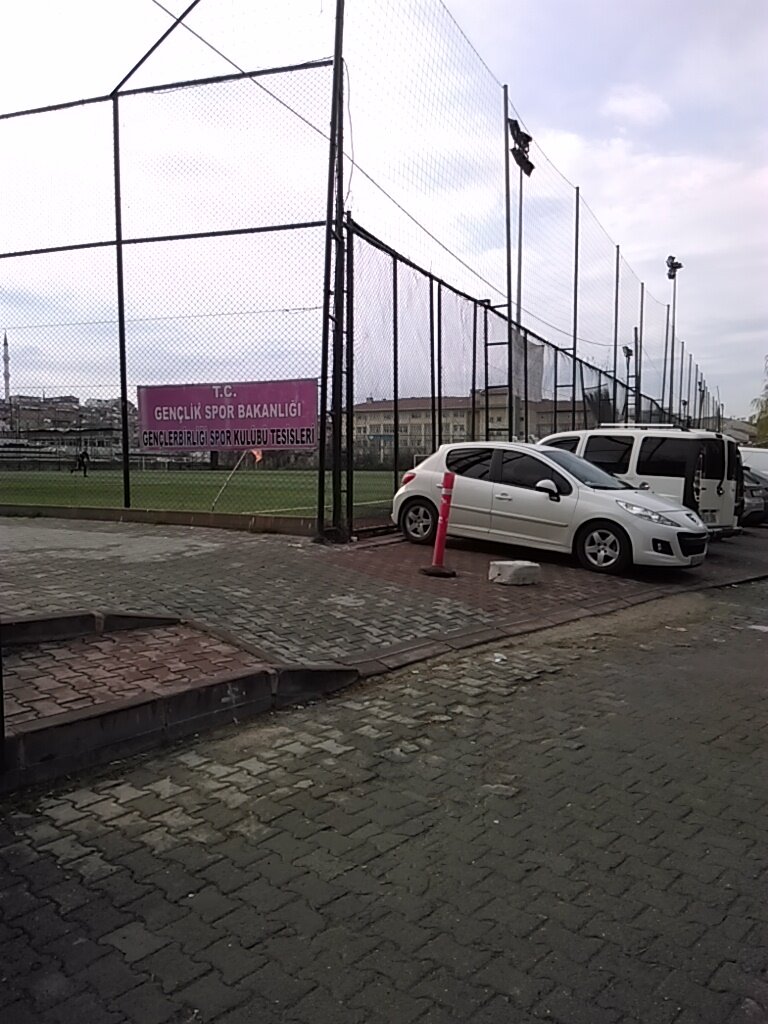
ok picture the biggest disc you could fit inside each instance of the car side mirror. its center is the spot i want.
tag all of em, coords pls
(548, 487)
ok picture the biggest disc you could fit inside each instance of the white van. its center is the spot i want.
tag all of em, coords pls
(699, 468)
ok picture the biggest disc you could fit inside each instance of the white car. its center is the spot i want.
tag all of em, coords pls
(548, 498)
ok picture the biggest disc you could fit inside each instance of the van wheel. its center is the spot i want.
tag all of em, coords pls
(602, 546)
(418, 521)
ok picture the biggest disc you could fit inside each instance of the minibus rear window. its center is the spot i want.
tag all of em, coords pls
(667, 456)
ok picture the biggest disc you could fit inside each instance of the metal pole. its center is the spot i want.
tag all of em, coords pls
(575, 306)
(350, 373)
(637, 379)
(524, 338)
(473, 394)
(672, 346)
(439, 362)
(432, 384)
(666, 357)
(327, 280)
(599, 413)
(519, 310)
(698, 396)
(554, 391)
(583, 394)
(395, 373)
(337, 354)
(639, 359)
(616, 330)
(125, 431)
(508, 240)
(487, 436)
(682, 378)
(688, 398)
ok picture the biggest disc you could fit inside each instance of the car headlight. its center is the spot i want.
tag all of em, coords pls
(646, 513)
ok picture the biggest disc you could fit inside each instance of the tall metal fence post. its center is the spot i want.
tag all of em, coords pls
(395, 374)
(690, 371)
(554, 390)
(432, 382)
(575, 305)
(439, 362)
(124, 422)
(672, 347)
(486, 404)
(664, 364)
(337, 351)
(616, 287)
(639, 359)
(508, 246)
(473, 394)
(523, 335)
(682, 377)
(330, 227)
(350, 373)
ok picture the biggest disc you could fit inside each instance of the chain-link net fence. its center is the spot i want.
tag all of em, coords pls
(188, 247)
(189, 257)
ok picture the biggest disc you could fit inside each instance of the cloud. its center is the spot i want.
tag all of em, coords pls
(635, 105)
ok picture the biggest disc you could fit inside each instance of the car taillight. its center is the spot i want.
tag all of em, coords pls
(407, 477)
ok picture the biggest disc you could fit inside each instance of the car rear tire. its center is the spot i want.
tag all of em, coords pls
(602, 546)
(418, 521)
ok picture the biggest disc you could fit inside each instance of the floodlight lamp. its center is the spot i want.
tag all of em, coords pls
(523, 162)
(673, 266)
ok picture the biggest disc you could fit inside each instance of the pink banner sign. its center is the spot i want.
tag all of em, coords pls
(273, 415)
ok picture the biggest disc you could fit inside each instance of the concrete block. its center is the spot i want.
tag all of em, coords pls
(514, 574)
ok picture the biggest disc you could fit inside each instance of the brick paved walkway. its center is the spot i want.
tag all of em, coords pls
(49, 679)
(299, 601)
(570, 828)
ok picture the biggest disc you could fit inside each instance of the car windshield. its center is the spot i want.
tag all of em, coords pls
(585, 472)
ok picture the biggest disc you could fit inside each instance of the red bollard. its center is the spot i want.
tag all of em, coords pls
(437, 568)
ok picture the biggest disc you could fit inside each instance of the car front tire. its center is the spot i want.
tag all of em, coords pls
(418, 521)
(604, 547)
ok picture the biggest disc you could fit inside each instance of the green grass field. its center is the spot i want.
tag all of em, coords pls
(268, 492)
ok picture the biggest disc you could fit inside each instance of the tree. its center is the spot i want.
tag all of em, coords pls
(760, 406)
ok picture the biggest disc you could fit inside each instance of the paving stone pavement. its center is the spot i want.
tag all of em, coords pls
(300, 601)
(571, 827)
(49, 679)
(286, 596)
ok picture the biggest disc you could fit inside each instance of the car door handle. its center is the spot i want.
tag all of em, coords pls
(504, 497)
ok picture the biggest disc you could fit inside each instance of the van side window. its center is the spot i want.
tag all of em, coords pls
(567, 444)
(609, 452)
(666, 456)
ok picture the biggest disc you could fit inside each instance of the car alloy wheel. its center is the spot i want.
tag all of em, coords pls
(603, 547)
(419, 522)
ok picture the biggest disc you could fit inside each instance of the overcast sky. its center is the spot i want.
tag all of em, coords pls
(656, 110)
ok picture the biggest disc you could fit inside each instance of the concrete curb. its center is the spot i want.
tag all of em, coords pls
(38, 629)
(61, 744)
(301, 526)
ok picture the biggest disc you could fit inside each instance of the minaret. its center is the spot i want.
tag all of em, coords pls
(6, 368)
